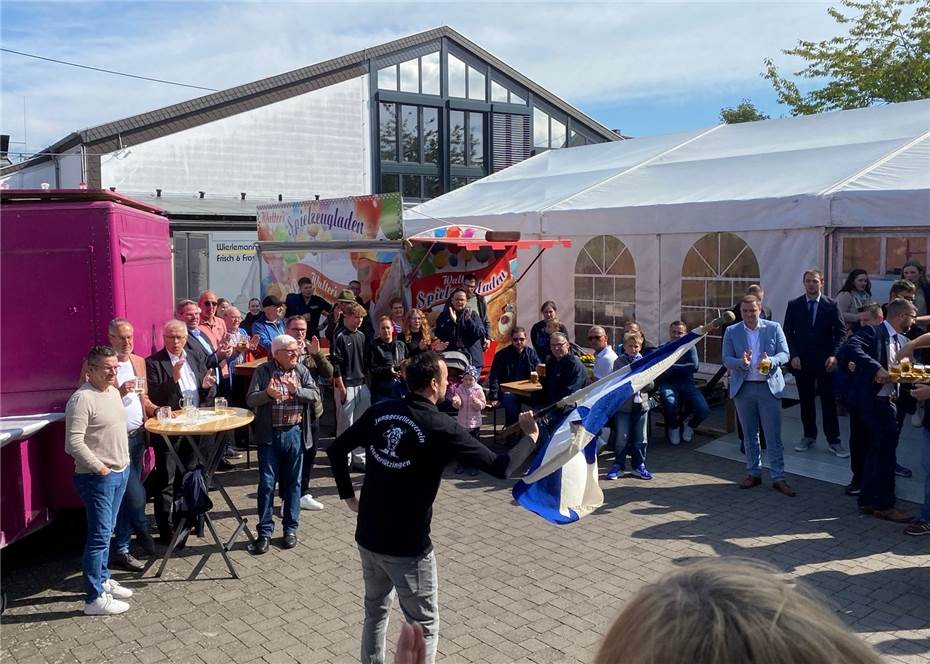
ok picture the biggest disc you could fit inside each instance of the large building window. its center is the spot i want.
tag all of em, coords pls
(409, 146)
(716, 272)
(466, 81)
(466, 138)
(417, 75)
(605, 287)
(548, 132)
(882, 255)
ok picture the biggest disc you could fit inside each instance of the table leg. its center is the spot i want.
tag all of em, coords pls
(181, 529)
(220, 546)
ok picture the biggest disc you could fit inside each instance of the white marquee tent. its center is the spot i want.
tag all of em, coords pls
(677, 225)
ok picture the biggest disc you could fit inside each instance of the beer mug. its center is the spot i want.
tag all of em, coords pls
(188, 410)
(534, 377)
(138, 385)
(765, 366)
(219, 405)
(164, 415)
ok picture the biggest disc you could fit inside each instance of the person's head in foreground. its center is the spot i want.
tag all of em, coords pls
(729, 612)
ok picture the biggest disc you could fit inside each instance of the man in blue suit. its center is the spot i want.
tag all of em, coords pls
(754, 352)
(873, 349)
(815, 331)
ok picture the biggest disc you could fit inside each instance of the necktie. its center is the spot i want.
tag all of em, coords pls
(810, 310)
(896, 348)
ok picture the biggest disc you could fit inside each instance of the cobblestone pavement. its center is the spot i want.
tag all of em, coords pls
(512, 587)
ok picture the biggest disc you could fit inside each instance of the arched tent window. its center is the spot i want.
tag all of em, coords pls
(715, 275)
(605, 287)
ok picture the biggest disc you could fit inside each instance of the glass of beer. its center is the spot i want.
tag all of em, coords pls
(765, 365)
(534, 377)
(219, 405)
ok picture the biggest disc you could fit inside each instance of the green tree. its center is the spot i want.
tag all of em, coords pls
(883, 59)
(745, 111)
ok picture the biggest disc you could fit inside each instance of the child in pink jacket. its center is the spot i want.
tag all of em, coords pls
(470, 400)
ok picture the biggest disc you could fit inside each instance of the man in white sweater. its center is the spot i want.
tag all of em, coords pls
(96, 436)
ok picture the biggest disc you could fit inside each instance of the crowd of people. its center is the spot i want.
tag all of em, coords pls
(391, 378)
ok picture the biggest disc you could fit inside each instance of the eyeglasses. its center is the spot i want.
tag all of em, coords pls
(175, 336)
(520, 339)
(289, 351)
(212, 303)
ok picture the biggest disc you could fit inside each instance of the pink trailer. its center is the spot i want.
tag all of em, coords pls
(70, 261)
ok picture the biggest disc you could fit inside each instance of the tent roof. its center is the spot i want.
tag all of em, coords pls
(878, 149)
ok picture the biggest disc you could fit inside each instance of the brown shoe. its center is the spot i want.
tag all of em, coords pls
(893, 514)
(750, 481)
(781, 486)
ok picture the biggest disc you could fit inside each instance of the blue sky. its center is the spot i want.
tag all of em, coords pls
(644, 68)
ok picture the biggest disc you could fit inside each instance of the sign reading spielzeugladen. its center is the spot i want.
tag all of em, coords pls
(375, 217)
(352, 219)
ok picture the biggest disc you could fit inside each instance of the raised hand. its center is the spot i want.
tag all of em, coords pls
(313, 346)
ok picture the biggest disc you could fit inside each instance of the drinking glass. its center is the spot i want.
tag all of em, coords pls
(138, 385)
(219, 405)
(765, 366)
(164, 415)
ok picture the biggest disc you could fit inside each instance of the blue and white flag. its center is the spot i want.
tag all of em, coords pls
(561, 484)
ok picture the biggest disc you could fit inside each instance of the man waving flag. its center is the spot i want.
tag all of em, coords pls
(561, 482)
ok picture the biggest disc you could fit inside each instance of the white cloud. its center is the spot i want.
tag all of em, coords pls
(586, 53)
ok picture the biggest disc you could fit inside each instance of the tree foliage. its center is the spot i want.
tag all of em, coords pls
(745, 111)
(883, 59)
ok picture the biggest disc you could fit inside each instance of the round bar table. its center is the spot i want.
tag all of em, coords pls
(200, 435)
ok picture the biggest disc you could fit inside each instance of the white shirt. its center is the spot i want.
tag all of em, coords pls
(891, 388)
(752, 338)
(188, 382)
(131, 402)
(604, 362)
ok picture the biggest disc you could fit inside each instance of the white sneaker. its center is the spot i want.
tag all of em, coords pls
(105, 605)
(307, 502)
(687, 434)
(116, 590)
(674, 436)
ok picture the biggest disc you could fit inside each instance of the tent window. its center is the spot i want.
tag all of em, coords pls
(605, 286)
(716, 272)
(881, 255)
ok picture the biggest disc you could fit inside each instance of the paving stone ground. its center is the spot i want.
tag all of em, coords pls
(513, 588)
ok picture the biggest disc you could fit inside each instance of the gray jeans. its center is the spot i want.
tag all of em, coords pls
(416, 584)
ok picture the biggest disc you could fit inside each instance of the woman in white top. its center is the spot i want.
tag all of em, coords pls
(855, 293)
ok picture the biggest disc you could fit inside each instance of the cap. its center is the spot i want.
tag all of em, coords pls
(272, 301)
(346, 296)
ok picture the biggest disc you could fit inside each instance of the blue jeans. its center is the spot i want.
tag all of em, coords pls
(101, 496)
(415, 582)
(925, 458)
(280, 461)
(512, 405)
(754, 403)
(629, 436)
(688, 395)
(131, 517)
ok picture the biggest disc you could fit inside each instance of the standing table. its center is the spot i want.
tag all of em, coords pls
(210, 423)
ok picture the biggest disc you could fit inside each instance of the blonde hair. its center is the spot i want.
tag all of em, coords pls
(633, 336)
(729, 612)
(425, 332)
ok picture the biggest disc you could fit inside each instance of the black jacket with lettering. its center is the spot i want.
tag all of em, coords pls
(408, 444)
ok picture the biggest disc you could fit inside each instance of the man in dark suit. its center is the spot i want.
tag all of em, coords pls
(308, 304)
(873, 349)
(174, 373)
(815, 331)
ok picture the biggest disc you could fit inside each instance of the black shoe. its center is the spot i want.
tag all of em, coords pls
(853, 489)
(225, 465)
(233, 454)
(261, 545)
(126, 562)
(289, 541)
(146, 542)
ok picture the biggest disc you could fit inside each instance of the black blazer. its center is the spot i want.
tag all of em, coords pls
(163, 391)
(868, 349)
(814, 344)
(194, 347)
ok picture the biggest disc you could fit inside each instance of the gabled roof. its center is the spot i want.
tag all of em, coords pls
(217, 105)
(634, 184)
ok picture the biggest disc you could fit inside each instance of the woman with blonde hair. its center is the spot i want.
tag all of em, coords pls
(730, 612)
(417, 334)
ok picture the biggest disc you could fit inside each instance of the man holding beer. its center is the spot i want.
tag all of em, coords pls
(754, 353)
